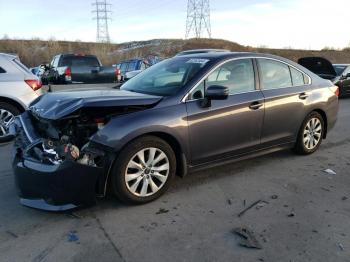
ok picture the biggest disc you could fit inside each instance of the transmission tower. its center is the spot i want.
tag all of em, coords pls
(198, 18)
(102, 16)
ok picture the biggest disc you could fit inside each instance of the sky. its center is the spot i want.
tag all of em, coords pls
(304, 24)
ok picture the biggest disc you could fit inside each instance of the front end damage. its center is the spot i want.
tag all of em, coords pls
(55, 164)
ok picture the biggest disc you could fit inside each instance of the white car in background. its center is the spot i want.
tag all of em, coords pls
(18, 88)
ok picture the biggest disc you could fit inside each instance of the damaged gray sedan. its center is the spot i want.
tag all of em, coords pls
(181, 115)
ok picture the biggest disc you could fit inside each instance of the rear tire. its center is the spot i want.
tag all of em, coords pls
(143, 171)
(7, 114)
(310, 134)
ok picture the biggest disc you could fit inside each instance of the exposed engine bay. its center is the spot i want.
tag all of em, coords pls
(68, 138)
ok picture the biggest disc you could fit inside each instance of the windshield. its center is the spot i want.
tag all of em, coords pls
(339, 69)
(166, 78)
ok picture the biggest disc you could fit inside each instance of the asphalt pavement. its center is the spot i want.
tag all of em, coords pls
(301, 214)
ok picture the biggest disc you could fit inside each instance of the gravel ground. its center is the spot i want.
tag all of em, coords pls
(303, 216)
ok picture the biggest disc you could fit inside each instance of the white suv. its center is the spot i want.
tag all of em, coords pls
(18, 87)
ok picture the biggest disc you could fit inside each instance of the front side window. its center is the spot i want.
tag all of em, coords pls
(274, 74)
(166, 77)
(55, 61)
(237, 75)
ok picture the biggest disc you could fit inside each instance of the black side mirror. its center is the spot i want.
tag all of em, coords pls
(216, 92)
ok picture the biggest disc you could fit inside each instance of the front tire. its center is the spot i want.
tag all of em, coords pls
(310, 135)
(7, 116)
(143, 171)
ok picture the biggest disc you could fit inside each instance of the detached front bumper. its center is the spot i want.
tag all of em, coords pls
(55, 187)
(52, 187)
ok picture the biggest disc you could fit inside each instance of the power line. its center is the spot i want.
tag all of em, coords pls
(198, 18)
(102, 11)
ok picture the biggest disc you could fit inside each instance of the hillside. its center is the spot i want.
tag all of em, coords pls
(35, 52)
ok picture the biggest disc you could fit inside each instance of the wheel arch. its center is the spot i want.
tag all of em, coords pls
(13, 102)
(325, 120)
(181, 159)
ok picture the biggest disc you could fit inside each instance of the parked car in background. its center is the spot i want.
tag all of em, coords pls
(79, 68)
(18, 87)
(338, 74)
(41, 72)
(343, 78)
(180, 115)
(35, 70)
(131, 68)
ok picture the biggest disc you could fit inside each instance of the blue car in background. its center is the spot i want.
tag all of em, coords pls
(132, 67)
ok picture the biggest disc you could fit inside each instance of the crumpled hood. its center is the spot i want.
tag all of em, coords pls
(54, 106)
(320, 66)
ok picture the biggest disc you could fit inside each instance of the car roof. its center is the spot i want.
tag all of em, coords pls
(199, 51)
(79, 55)
(9, 56)
(228, 55)
(131, 60)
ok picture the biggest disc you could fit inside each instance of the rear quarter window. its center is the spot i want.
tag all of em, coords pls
(298, 78)
(2, 71)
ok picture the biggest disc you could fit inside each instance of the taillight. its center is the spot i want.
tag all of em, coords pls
(68, 71)
(118, 74)
(337, 91)
(68, 74)
(34, 84)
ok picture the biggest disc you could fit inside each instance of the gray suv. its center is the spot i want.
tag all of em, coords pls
(18, 87)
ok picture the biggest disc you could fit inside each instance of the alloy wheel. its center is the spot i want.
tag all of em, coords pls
(312, 133)
(147, 172)
(6, 118)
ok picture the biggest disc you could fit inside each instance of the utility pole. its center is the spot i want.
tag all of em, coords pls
(102, 11)
(198, 18)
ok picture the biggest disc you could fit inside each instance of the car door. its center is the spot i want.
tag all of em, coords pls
(286, 90)
(226, 127)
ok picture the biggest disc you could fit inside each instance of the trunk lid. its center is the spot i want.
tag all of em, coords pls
(320, 66)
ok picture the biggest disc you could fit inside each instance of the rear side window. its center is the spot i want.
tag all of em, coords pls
(132, 66)
(298, 77)
(2, 70)
(274, 74)
(123, 66)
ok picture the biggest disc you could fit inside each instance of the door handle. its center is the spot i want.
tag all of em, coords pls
(255, 105)
(303, 96)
